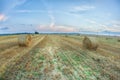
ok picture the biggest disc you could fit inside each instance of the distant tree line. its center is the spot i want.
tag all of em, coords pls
(36, 32)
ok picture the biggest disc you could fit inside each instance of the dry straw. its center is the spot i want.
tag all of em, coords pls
(24, 40)
(90, 43)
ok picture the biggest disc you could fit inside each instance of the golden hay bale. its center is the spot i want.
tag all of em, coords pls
(90, 43)
(24, 40)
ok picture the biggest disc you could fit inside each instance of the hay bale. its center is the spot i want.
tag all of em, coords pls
(24, 40)
(90, 43)
(118, 40)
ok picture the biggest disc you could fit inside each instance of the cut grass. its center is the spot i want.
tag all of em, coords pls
(42, 57)
(69, 54)
(62, 56)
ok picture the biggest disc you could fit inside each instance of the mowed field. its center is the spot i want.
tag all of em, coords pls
(59, 57)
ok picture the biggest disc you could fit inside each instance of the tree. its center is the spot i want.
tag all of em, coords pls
(36, 32)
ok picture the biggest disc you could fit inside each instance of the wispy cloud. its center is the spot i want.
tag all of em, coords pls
(117, 22)
(44, 28)
(83, 8)
(102, 27)
(12, 5)
(9, 7)
(29, 11)
(3, 17)
(115, 25)
(4, 28)
(50, 14)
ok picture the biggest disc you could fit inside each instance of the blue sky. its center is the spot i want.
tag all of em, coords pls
(59, 15)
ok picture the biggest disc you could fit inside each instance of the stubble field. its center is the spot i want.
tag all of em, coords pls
(59, 57)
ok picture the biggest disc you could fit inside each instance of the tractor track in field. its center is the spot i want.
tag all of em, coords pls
(17, 54)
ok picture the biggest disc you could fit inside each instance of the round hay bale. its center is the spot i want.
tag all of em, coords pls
(24, 40)
(90, 43)
(118, 40)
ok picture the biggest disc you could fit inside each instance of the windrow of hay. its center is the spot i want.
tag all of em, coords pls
(24, 40)
(90, 43)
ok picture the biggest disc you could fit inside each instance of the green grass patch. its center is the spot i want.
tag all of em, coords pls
(42, 57)
(62, 57)
(59, 68)
(76, 58)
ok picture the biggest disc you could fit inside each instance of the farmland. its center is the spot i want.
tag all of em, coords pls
(59, 57)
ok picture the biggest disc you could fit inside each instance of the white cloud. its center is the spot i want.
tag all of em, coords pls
(12, 4)
(115, 22)
(18, 2)
(44, 28)
(102, 27)
(91, 21)
(29, 11)
(115, 25)
(24, 11)
(83, 8)
(3, 17)
(50, 13)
